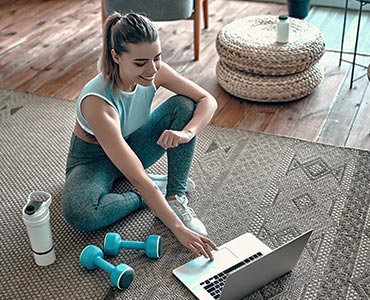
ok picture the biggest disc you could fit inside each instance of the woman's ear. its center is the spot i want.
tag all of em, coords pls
(115, 56)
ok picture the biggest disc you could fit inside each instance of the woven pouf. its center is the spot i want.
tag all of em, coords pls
(249, 44)
(264, 88)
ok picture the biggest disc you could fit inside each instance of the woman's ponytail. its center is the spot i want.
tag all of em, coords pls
(106, 64)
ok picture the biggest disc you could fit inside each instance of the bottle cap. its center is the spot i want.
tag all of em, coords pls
(283, 18)
(36, 209)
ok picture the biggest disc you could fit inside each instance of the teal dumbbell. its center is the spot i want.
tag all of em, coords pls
(121, 276)
(153, 245)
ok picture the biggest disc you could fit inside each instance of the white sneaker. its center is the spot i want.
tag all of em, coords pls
(161, 182)
(187, 214)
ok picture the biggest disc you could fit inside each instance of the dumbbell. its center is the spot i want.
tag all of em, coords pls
(121, 276)
(153, 245)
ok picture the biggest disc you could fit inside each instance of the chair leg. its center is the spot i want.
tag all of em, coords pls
(102, 8)
(356, 43)
(343, 33)
(205, 13)
(197, 24)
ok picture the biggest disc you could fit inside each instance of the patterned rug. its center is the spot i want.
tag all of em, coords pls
(274, 187)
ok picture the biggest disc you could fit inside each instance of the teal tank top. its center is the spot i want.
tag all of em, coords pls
(133, 108)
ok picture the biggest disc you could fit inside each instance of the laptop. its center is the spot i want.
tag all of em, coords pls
(240, 267)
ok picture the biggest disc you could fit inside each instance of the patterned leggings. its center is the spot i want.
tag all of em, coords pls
(88, 202)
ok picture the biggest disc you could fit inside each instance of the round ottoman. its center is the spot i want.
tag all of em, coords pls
(268, 88)
(249, 53)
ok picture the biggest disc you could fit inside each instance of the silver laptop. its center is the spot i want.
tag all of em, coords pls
(240, 267)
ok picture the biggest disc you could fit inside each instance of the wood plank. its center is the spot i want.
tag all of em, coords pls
(231, 113)
(58, 59)
(343, 113)
(314, 114)
(71, 88)
(67, 77)
(284, 117)
(54, 47)
(176, 42)
(359, 136)
(26, 26)
(257, 117)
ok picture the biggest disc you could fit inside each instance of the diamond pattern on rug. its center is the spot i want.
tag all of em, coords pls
(303, 202)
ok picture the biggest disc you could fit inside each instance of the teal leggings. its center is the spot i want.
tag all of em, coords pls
(87, 200)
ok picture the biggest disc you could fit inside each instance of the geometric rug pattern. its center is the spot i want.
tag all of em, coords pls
(273, 187)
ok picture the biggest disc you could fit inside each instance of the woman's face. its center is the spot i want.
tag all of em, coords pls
(139, 65)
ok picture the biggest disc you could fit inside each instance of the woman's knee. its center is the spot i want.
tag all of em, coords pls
(80, 217)
(82, 220)
(183, 104)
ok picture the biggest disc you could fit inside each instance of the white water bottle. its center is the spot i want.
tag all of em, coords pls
(282, 30)
(36, 217)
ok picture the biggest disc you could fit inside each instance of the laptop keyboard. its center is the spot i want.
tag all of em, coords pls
(215, 284)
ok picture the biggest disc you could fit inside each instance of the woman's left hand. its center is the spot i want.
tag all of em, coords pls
(173, 138)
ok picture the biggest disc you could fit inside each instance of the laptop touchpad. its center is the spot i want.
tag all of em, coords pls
(201, 266)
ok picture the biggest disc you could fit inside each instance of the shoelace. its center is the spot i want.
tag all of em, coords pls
(186, 212)
(183, 200)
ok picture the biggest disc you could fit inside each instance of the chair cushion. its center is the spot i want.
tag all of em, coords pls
(157, 10)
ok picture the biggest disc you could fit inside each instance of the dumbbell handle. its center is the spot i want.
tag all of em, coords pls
(132, 245)
(103, 264)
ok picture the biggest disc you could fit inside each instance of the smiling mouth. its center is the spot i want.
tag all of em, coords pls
(147, 78)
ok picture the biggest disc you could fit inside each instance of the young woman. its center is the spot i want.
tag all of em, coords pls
(117, 134)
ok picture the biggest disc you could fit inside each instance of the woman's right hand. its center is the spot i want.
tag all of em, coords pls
(198, 244)
(173, 138)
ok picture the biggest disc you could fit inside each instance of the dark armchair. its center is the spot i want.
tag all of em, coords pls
(163, 10)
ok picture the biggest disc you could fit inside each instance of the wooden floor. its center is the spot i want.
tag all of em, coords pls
(51, 48)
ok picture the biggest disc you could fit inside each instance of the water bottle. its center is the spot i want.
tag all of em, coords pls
(36, 217)
(282, 30)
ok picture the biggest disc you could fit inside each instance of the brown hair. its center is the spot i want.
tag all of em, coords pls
(120, 30)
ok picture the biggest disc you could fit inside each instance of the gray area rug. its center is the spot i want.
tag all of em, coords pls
(271, 186)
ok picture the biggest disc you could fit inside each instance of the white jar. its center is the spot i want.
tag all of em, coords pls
(282, 30)
(36, 217)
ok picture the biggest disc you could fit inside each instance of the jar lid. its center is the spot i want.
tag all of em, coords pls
(283, 17)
